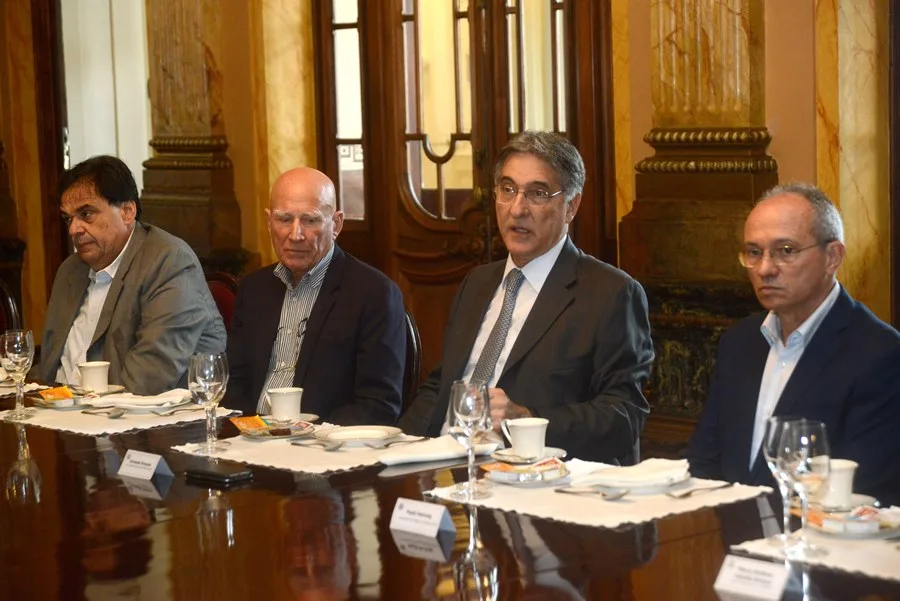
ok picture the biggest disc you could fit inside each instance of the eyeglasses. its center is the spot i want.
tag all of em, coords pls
(781, 255)
(538, 197)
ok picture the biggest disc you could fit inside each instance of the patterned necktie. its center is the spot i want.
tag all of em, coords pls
(484, 369)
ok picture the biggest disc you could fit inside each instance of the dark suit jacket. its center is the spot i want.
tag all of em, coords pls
(581, 359)
(157, 313)
(353, 355)
(848, 377)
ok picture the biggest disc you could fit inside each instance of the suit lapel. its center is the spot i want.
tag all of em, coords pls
(77, 281)
(818, 355)
(115, 287)
(742, 407)
(556, 294)
(470, 315)
(319, 315)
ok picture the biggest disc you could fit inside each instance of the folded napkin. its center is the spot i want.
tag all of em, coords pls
(9, 387)
(646, 473)
(435, 449)
(164, 399)
(3, 374)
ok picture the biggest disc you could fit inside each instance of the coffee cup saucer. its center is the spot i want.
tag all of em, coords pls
(303, 417)
(508, 456)
(856, 499)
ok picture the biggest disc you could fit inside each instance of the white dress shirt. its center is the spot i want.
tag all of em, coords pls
(85, 324)
(535, 272)
(782, 360)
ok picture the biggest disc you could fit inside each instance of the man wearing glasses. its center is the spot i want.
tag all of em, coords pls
(817, 353)
(318, 319)
(554, 332)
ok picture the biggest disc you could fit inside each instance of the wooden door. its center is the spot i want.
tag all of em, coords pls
(424, 93)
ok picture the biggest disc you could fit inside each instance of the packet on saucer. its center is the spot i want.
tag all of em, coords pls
(56, 394)
(549, 469)
(250, 422)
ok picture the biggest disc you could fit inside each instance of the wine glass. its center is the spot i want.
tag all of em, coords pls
(207, 380)
(771, 444)
(804, 457)
(23, 480)
(468, 404)
(475, 572)
(16, 355)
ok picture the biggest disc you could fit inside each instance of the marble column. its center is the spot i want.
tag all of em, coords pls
(683, 233)
(189, 180)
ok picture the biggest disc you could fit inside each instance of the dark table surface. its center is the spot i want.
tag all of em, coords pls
(299, 536)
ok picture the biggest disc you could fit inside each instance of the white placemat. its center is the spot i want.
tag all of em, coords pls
(280, 454)
(543, 502)
(872, 558)
(100, 425)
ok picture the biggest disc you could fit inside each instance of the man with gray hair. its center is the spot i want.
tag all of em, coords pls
(817, 353)
(554, 332)
(318, 319)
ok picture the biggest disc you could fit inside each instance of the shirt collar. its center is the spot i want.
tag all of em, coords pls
(313, 277)
(113, 268)
(771, 325)
(537, 270)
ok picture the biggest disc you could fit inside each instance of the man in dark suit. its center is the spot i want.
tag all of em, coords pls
(318, 319)
(133, 294)
(574, 337)
(817, 354)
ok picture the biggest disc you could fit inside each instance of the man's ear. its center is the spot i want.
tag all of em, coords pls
(338, 218)
(129, 211)
(572, 208)
(834, 256)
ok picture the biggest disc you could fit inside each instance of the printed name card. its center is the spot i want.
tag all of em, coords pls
(746, 578)
(143, 466)
(432, 548)
(420, 518)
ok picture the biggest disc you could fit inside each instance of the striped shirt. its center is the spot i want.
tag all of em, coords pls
(295, 310)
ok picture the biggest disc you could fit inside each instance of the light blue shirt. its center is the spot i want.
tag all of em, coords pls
(783, 358)
(85, 324)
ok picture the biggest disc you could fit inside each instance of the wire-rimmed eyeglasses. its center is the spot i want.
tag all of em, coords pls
(784, 254)
(507, 193)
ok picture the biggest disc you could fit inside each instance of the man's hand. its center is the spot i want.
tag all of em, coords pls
(503, 408)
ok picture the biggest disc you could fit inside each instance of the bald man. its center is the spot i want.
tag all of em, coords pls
(319, 318)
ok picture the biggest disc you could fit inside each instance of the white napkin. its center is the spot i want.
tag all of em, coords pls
(646, 473)
(164, 399)
(435, 449)
(3, 374)
(9, 388)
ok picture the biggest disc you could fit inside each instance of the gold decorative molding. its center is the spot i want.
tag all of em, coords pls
(207, 163)
(189, 143)
(717, 136)
(657, 165)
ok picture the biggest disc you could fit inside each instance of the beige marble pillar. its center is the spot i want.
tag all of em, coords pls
(189, 180)
(683, 233)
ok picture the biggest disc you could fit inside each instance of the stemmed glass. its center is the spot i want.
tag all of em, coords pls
(468, 404)
(23, 480)
(804, 457)
(475, 571)
(207, 380)
(770, 446)
(16, 355)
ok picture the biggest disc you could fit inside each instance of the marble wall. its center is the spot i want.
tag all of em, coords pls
(20, 136)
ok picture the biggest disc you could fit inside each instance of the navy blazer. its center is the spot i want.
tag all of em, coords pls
(353, 356)
(848, 378)
(580, 360)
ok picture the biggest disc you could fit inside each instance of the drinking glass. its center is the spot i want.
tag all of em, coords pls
(468, 404)
(207, 380)
(23, 480)
(771, 444)
(475, 572)
(804, 456)
(16, 355)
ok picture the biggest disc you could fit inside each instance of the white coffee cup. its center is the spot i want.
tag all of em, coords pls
(837, 492)
(285, 403)
(526, 435)
(94, 375)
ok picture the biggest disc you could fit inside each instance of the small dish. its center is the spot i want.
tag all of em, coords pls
(276, 432)
(856, 499)
(357, 435)
(527, 478)
(80, 392)
(304, 417)
(883, 532)
(646, 488)
(507, 456)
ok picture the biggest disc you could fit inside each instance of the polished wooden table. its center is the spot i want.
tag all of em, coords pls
(70, 529)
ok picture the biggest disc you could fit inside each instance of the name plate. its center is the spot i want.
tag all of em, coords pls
(746, 578)
(432, 548)
(421, 518)
(143, 466)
